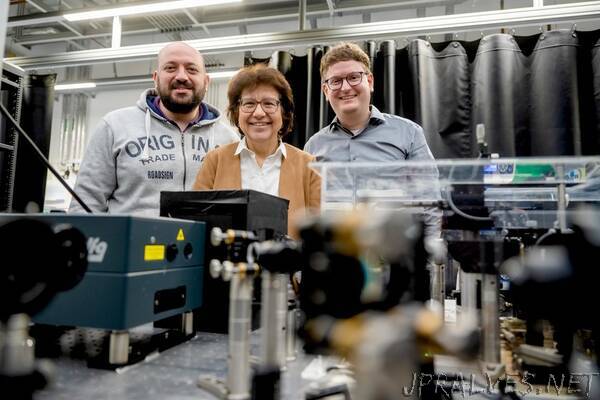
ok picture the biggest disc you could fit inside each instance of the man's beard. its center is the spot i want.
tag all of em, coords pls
(179, 107)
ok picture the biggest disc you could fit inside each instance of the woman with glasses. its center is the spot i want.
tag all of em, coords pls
(262, 108)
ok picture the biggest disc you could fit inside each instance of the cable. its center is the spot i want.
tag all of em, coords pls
(464, 214)
(43, 158)
(550, 232)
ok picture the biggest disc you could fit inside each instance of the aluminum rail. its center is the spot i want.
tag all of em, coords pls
(246, 15)
(3, 17)
(257, 12)
(370, 31)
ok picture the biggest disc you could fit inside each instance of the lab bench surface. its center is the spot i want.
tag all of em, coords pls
(172, 374)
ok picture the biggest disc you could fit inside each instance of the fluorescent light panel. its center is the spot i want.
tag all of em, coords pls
(74, 86)
(215, 75)
(143, 9)
(221, 74)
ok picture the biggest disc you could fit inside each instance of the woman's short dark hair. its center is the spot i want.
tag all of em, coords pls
(255, 75)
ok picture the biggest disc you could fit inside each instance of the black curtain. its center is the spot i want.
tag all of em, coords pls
(536, 95)
(302, 72)
(36, 120)
(441, 96)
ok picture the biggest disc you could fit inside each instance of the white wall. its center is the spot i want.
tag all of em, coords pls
(99, 105)
(107, 101)
(103, 102)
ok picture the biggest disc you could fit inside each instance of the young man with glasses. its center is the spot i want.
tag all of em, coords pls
(359, 131)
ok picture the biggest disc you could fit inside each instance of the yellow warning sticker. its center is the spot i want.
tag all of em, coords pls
(180, 235)
(154, 252)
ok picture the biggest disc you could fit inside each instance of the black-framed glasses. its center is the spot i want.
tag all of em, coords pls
(269, 106)
(353, 79)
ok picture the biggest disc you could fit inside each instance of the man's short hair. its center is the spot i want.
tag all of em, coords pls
(344, 51)
(255, 75)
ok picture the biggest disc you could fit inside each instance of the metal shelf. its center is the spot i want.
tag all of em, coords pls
(12, 92)
(6, 147)
(9, 82)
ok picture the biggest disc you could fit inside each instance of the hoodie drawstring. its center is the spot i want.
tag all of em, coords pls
(211, 136)
(147, 126)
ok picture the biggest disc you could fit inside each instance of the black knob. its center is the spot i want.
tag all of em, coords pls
(172, 251)
(71, 257)
(188, 250)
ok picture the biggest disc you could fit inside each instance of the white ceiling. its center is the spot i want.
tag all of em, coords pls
(248, 17)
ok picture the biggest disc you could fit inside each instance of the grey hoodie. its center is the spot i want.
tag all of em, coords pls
(121, 174)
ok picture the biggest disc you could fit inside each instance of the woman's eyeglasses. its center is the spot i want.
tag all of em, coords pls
(269, 106)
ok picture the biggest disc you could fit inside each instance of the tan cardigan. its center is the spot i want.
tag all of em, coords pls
(298, 183)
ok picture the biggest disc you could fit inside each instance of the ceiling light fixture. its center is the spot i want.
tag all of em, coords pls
(147, 8)
(222, 74)
(125, 82)
(74, 86)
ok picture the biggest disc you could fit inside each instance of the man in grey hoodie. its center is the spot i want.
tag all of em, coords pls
(158, 145)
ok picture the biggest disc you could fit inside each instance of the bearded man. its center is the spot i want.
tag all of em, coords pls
(157, 145)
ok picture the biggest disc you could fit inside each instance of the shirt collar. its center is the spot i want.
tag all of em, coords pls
(242, 146)
(376, 118)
